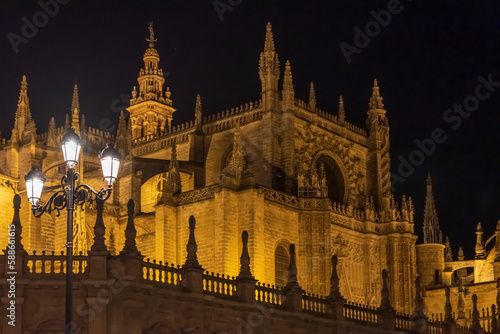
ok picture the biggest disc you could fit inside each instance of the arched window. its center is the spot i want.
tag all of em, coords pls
(281, 262)
(334, 179)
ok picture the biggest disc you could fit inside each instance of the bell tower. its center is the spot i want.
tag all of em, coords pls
(150, 109)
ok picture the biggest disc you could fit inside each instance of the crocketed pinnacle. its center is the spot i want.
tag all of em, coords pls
(432, 232)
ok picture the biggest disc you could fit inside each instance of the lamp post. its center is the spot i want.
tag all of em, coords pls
(71, 195)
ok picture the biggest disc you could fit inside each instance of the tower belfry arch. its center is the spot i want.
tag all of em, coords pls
(150, 108)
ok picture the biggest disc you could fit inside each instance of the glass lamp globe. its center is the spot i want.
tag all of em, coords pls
(110, 162)
(71, 148)
(34, 185)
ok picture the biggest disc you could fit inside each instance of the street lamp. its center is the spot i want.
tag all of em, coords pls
(72, 194)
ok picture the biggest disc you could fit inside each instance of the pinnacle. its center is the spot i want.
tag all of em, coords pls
(375, 83)
(429, 179)
(269, 42)
(75, 103)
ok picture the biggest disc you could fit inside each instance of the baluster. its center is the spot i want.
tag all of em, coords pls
(43, 262)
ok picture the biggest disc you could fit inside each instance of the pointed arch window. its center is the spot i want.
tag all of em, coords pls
(281, 262)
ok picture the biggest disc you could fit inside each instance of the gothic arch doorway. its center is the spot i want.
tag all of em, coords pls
(334, 178)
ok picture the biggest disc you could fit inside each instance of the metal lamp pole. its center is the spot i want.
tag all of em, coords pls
(72, 194)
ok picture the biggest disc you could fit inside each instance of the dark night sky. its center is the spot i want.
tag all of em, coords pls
(427, 59)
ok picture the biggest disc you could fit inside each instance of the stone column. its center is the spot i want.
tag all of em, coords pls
(385, 310)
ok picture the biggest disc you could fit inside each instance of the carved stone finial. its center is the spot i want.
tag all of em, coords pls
(476, 325)
(448, 256)
(385, 303)
(130, 248)
(292, 282)
(99, 229)
(480, 250)
(334, 280)
(419, 302)
(494, 323)
(191, 247)
(448, 316)
(245, 258)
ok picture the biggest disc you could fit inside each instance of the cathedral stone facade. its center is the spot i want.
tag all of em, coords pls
(303, 184)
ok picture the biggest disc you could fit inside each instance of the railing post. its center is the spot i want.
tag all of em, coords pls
(449, 322)
(336, 301)
(192, 272)
(130, 255)
(98, 254)
(476, 325)
(387, 319)
(245, 281)
(293, 292)
(419, 320)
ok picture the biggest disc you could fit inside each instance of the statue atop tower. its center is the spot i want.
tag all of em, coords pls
(150, 108)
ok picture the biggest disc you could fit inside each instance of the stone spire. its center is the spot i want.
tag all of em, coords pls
(480, 249)
(385, 303)
(341, 111)
(312, 97)
(334, 280)
(52, 133)
(99, 229)
(245, 258)
(174, 177)
(191, 247)
(75, 110)
(448, 255)
(130, 248)
(376, 103)
(198, 115)
(432, 232)
(23, 120)
(292, 283)
(288, 92)
(269, 71)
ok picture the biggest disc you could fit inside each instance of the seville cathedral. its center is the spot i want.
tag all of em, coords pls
(270, 217)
